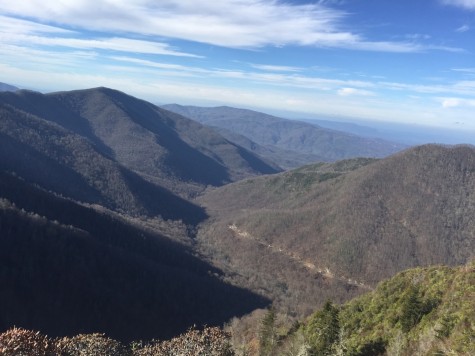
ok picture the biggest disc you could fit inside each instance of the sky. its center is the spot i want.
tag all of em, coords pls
(408, 61)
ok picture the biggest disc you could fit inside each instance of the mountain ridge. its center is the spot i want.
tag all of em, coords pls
(117, 150)
(361, 220)
(7, 87)
(318, 143)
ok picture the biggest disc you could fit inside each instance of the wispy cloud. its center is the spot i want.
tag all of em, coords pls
(466, 4)
(114, 44)
(231, 23)
(27, 33)
(470, 71)
(448, 103)
(154, 64)
(463, 28)
(417, 36)
(354, 91)
(276, 68)
(19, 26)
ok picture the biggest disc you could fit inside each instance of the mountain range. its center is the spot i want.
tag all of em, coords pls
(103, 146)
(289, 143)
(120, 216)
(346, 225)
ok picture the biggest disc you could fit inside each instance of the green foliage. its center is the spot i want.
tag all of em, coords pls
(322, 330)
(411, 312)
(267, 334)
(419, 311)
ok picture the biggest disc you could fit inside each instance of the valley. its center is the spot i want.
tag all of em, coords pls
(121, 217)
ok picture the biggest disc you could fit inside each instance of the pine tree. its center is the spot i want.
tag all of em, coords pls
(267, 334)
(322, 332)
(411, 309)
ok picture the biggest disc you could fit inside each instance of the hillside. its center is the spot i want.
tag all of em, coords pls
(421, 311)
(354, 222)
(68, 269)
(319, 144)
(286, 159)
(72, 165)
(96, 222)
(7, 87)
(114, 129)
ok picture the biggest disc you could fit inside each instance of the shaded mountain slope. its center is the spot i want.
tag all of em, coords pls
(69, 269)
(356, 220)
(287, 159)
(290, 135)
(64, 162)
(162, 147)
(157, 143)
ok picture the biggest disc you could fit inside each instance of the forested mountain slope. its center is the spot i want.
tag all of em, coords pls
(159, 146)
(301, 138)
(358, 221)
(68, 269)
(96, 219)
(422, 311)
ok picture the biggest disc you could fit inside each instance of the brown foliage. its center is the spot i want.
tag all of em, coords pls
(209, 342)
(21, 342)
(90, 345)
(356, 221)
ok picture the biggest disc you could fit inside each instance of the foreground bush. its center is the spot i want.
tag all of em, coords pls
(21, 342)
(209, 342)
(89, 345)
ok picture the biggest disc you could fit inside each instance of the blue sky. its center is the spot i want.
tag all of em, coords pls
(410, 61)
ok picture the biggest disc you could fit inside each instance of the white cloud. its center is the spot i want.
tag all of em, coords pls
(18, 26)
(470, 71)
(417, 36)
(160, 89)
(276, 68)
(353, 91)
(167, 66)
(231, 23)
(27, 33)
(463, 28)
(460, 88)
(456, 102)
(467, 4)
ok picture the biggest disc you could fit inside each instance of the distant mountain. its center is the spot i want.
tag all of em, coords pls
(7, 87)
(103, 146)
(348, 127)
(406, 133)
(280, 157)
(317, 143)
(354, 221)
(68, 269)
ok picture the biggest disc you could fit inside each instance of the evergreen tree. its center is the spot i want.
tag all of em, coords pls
(322, 331)
(412, 309)
(267, 334)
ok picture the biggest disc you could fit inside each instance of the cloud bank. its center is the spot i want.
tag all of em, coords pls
(245, 24)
